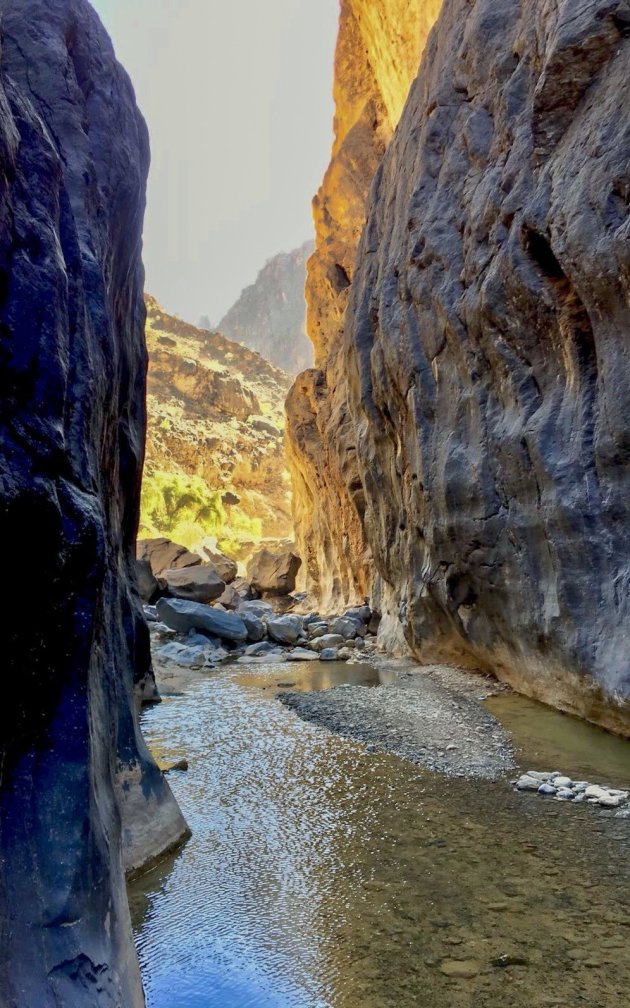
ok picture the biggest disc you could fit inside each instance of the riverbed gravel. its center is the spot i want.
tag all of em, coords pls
(419, 718)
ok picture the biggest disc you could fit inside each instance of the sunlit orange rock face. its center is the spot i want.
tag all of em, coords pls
(378, 52)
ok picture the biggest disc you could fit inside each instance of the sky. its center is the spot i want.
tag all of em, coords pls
(237, 95)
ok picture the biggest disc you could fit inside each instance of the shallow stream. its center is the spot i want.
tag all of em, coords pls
(322, 876)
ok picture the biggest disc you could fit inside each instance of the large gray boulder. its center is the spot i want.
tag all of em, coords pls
(196, 584)
(255, 626)
(164, 555)
(184, 616)
(327, 641)
(273, 573)
(284, 629)
(80, 795)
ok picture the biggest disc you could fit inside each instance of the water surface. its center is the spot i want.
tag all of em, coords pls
(321, 876)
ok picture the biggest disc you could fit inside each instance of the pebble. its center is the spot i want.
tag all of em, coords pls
(547, 789)
(526, 783)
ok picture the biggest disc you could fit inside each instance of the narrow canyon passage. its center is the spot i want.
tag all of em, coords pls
(322, 874)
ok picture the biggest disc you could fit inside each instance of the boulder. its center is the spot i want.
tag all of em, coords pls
(273, 573)
(302, 654)
(164, 555)
(195, 639)
(329, 654)
(183, 616)
(196, 584)
(361, 613)
(327, 641)
(226, 568)
(245, 590)
(148, 587)
(255, 626)
(230, 599)
(257, 607)
(281, 604)
(259, 649)
(284, 629)
(183, 654)
(348, 628)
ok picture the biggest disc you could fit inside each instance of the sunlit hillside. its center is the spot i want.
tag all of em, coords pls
(215, 467)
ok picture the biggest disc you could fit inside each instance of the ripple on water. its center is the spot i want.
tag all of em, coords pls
(320, 875)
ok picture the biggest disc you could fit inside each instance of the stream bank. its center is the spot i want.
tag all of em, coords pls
(323, 875)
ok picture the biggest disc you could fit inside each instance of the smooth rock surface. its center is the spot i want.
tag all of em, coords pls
(284, 629)
(80, 796)
(184, 616)
(200, 583)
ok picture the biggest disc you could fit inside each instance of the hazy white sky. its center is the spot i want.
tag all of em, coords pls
(238, 98)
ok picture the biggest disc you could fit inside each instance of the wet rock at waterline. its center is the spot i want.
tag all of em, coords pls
(552, 784)
(74, 156)
(285, 629)
(180, 628)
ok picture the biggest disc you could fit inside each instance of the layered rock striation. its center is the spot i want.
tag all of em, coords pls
(487, 352)
(270, 314)
(79, 793)
(377, 58)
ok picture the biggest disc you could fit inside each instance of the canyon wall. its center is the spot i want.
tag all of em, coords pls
(377, 58)
(76, 780)
(487, 351)
(270, 314)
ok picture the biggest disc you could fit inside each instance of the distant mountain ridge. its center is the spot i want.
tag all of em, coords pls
(270, 315)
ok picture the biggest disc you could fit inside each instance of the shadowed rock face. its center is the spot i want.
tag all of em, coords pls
(488, 351)
(378, 52)
(73, 164)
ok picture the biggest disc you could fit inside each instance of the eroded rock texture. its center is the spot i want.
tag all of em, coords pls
(488, 351)
(73, 163)
(377, 57)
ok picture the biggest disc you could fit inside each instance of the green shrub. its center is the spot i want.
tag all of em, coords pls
(182, 508)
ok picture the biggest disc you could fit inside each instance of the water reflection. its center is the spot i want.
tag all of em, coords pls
(320, 875)
(547, 740)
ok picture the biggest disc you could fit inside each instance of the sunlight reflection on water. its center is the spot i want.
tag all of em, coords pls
(320, 875)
